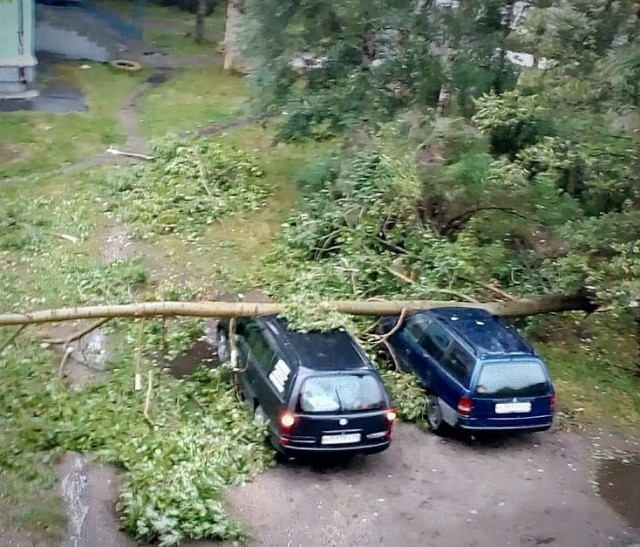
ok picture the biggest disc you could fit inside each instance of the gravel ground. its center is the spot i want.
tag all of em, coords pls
(426, 490)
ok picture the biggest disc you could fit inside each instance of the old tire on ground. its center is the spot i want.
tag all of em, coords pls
(434, 415)
(126, 65)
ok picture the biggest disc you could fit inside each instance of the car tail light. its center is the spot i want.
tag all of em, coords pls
(286, 422)
(552, 401)
(391, 415)
(465, 404)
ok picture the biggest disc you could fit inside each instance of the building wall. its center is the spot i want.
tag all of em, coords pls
(17, 59)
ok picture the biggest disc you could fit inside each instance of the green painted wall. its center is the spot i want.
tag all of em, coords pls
(13, 15)
(17, 59)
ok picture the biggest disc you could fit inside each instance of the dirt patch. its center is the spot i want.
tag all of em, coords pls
(619, 482)
(10, 153)
(116, 243)
(129, 115)
(529, 490)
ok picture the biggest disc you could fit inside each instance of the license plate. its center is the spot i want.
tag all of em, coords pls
(512, 408)
(341, 439)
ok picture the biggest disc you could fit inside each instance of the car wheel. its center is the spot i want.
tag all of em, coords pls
(434, 415)
(224, 350)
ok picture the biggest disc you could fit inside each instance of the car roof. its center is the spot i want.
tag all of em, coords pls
(321, 351)
(483, 331)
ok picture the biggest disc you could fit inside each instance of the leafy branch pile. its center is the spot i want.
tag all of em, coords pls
(190, 185)
(512, 204)
(201, 439)
(30, 225)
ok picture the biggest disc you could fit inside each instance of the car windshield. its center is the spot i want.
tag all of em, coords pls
(512, 379)
(342, 393)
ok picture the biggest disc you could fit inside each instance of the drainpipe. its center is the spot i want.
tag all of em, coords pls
(21, 71)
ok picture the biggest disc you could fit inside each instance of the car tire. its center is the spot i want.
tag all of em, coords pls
(434, 415)
(224, 348)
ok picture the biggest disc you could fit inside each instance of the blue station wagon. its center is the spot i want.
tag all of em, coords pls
(480, 375)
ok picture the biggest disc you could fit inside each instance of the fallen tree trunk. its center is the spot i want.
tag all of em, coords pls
(582, 301)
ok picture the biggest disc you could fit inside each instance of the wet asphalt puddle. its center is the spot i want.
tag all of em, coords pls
(619, 482)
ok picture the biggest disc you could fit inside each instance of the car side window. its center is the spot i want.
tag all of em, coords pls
(261, 351)
(459, 363)
(430, 336)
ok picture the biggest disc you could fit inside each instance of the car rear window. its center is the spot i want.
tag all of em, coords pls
(342, 393)
(512, 379)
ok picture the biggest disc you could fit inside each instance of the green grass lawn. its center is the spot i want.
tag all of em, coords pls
(594, 378)
(33, 506)
(194, 98)
(33, 142)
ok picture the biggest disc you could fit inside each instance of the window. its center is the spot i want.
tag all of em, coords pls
(342, 393)
(279, 376)
(430, 336)
(512, 379)
(459, 363)
(259, 348)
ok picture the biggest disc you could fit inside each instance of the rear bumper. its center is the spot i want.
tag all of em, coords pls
(541, 423)
(290, 449)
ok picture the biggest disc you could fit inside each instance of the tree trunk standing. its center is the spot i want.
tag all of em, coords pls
(201, 13)
(232, 60)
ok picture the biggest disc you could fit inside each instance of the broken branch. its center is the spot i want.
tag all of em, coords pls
(148, 397)
(12, 338)
(396, 327)
(116, 152)
(66, 353)
(77, 335)
(457, 294)
(393, 355)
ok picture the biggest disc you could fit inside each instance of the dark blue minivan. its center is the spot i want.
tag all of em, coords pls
(317, 391)
(480, 375)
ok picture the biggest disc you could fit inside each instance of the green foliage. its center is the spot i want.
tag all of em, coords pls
(407, 394)
(306, 313)
(369, 61)
(202, 438)
(350, 237)
(189, 186)
(512, 121)
(174, 470)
